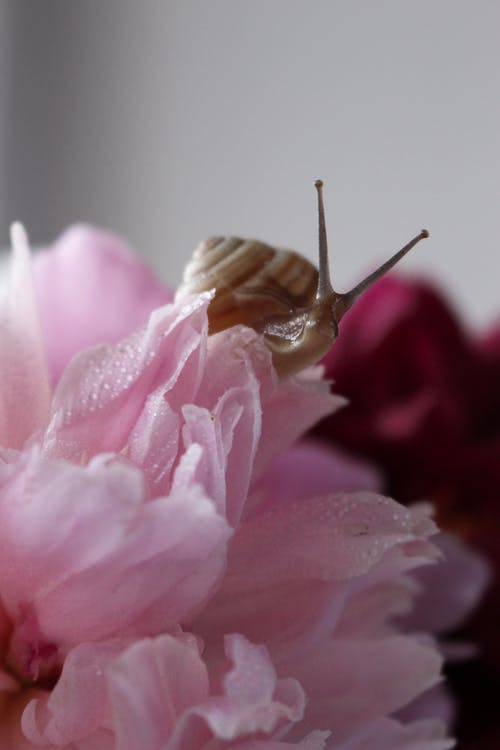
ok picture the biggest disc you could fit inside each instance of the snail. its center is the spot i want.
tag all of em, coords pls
(277, 292)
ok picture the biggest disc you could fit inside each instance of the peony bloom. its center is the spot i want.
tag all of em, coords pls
(176, 572)
(424, 404)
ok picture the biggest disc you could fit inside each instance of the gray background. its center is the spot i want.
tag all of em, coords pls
(170, 121)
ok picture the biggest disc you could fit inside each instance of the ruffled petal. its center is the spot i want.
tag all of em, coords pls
(227, 418)
(254, 700)
(78, 705)
(151, 685)
(160, 696)
(93, 559)
(104, 391)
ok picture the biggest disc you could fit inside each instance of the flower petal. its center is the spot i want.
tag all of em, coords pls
(91, 289)
(78, 705)
(103, 391)
(94, 559)
(25, 393)
(151, 685)
(388, 734)
(291, 568)
(314, 741)
(310, 469)
(373, 678)
(448, 591)
(159, 691)
(293, 408)
(255, 700)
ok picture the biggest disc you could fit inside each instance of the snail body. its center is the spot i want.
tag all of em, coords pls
(277, 292)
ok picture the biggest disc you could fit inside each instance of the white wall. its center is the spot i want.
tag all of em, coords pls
(171, 121)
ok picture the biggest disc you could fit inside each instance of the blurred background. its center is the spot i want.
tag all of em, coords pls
(171, 121)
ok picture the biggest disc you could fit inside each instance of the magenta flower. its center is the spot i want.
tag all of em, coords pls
(175, 574)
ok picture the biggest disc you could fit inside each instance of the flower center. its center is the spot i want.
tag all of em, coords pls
(30, 658)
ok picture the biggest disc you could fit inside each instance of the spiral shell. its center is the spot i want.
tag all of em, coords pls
(253, 281)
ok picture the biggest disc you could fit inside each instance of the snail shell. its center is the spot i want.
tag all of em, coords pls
(277, 292)
(273, 291)
(253, 281)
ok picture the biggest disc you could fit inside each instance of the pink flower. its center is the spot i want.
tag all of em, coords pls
(173, 575)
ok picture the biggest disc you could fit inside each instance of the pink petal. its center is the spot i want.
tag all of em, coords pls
(291, 409)
(271, 414)
(450, 590)
(25, 393)
(254, 700)
(331, 537)
(159, 691)
(228, 433)
(436, 703)
(104, 391)
(351, 682)
(154, 443)
(151, 685)
(314, 741)
(388, 734)
(227, 417)
(310, 469)
(291, 568)
(93, 558)
(11, 734)
(78, 704)
(91, 289)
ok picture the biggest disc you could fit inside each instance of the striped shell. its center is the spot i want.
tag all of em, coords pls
(253, 281)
